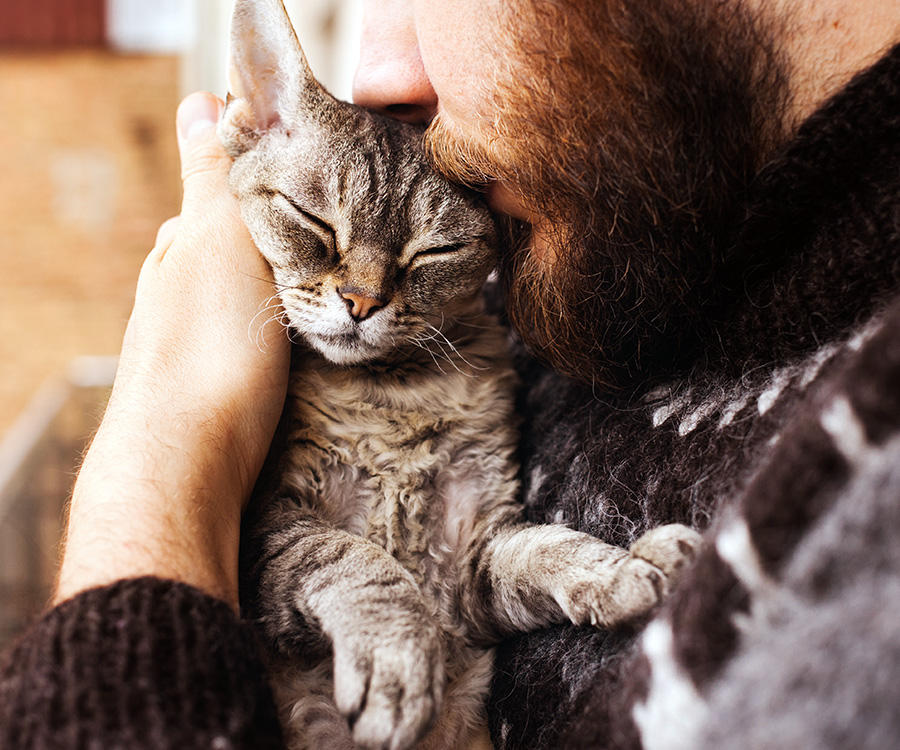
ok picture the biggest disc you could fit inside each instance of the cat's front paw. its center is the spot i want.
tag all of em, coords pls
(669, 549)
(390, 690)
(642, 579)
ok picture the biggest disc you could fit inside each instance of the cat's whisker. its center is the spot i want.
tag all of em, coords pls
(435, 359)
(261, 337)
(281, 315)
(423, 338)
(282, 318)
(462, 320)
(424, 341)
(439, 331)
(278, 287)
(432, 338)
(273, 303)
(446, 356)
(453, 348)
(421, 344)
(279, 320)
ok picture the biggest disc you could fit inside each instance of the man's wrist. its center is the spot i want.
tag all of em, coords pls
(120, 539)
(152, 513)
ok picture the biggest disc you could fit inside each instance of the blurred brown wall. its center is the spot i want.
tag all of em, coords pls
(88, 171)
(52, 23)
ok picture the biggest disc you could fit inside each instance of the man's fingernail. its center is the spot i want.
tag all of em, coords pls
(197, 113)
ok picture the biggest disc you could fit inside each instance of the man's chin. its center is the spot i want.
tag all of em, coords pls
(591, 322)
(637, 171)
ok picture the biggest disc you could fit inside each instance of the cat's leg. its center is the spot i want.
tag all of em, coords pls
(305, 699)
(462, 724)
(519, 577)
(320, 586)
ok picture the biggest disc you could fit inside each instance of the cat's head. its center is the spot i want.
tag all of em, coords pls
(368, 245)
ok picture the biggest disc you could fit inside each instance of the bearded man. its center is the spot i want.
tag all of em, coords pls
(703, 209)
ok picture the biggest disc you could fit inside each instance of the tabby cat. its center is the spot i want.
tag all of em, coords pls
(387, 552)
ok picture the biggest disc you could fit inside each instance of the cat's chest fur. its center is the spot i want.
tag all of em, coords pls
(407, 456)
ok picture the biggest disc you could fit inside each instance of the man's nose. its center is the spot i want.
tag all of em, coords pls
(391, 78)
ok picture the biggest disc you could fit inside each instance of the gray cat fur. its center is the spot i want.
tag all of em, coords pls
(388, 541)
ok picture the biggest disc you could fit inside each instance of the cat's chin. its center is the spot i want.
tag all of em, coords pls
(343, 354)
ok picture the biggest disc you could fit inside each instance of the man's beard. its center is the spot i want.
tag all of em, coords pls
(636, 132)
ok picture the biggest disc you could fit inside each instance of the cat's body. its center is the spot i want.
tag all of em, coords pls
(385, 551)
(405, 458)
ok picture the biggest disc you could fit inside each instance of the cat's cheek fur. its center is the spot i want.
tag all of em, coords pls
(430, 289)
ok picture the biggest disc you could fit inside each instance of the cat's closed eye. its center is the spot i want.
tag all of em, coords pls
(436, 253)
(322, 228)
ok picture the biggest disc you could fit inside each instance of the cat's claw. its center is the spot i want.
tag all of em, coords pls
(645, 576)
(390, 693)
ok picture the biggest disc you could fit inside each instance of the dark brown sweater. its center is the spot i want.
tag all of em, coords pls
(143, 663)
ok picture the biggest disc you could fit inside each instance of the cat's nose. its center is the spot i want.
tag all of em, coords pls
(359, 305)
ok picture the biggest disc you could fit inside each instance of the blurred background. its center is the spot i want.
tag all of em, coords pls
(88, 171)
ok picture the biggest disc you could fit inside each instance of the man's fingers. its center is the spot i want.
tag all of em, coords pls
(204, 163)
(210, 212)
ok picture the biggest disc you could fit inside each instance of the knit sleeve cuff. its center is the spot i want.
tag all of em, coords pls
(143, 663)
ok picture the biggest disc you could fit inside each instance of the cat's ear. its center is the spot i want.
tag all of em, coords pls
(270, 83)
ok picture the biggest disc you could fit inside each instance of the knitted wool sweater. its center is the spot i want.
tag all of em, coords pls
(782, 441)
(143, 663)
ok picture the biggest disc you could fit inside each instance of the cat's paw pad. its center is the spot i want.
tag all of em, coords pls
(391, 692)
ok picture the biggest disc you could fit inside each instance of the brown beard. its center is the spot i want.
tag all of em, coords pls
(636, 132)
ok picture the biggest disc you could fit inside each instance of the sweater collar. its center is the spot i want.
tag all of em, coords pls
(819, 247)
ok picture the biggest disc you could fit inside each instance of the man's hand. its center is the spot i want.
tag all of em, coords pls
(199, 390)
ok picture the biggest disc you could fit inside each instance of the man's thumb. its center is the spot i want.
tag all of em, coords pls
(198, 144)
